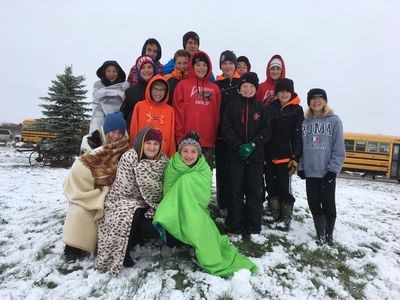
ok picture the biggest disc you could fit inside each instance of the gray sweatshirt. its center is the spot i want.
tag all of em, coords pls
(323, 146)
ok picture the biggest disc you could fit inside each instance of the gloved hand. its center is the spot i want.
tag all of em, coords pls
(301, 174)
(329, 176)
(94, 140)
(246, 149)
(292, 166)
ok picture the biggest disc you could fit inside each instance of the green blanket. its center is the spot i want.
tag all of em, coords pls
(183, 212)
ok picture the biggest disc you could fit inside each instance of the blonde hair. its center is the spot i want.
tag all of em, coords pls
(326, 111)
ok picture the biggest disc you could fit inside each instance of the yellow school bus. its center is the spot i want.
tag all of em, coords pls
(31, 133)
(373, 154)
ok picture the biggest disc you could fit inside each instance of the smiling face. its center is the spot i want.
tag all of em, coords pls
(181, 63)
(317, 105)
(189, 154)
(115, 135)
(192, 46)
(151, 149)
(247, 90)
(111, 73)
(158, 91)
(147, 71)
(284, 97)
(241, 68)
(200, 69)
(275, 73)
(151, 50)
(228, 68)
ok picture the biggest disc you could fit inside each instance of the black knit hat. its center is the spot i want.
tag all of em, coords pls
(284, 84)
(190, 35)
(317, 92)
(227, 55)
(246, 61)
(200, 57)
(250, 77)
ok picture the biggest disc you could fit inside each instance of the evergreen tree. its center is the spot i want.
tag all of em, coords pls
(65, 111)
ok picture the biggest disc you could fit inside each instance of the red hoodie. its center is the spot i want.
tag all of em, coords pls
(159, 115)
(266, 90)
(196, 104)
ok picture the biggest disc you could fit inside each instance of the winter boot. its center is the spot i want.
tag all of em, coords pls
(128, 262)
(72, 254)
(275, 208)
(319, 223)
(329, 226)
(286, 214)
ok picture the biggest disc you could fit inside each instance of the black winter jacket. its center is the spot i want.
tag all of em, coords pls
(246, 121)
(286, 138)
(133, 95)
(229, 89)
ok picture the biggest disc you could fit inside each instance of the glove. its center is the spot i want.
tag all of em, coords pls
(301, 174)
(330, 176)
(246, 149)
(94, 140)
(292, 166)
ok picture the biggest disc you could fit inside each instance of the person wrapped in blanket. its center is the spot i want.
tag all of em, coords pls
(183, 211)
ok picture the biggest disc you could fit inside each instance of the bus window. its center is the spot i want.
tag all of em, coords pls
(349, 144)
(372, 147)
(360, 146)
(383, 147)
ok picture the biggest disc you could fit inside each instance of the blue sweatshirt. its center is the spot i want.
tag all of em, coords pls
(323, 146)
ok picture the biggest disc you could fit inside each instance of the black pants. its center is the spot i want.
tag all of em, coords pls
(222, 174)
(277, 182)
(244, 214)
(321, 200)
(209, 156)
(142, 228)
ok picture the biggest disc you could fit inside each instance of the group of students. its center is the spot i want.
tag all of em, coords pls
(154, 140)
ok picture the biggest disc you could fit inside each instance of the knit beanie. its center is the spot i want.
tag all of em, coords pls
(190, 35)
(317, 92)
(192, 138)
(153, 134)
(114, 121)
(284, 84)
(200, 57)
(141, 60)
(227, 55)
(245, 60)
(250, 77)
(276, 62)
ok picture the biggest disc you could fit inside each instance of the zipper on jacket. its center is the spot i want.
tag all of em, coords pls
(247, 119)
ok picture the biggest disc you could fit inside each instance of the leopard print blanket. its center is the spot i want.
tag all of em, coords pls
(138, 184)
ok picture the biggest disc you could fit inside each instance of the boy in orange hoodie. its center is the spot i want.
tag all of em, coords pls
(154, 111)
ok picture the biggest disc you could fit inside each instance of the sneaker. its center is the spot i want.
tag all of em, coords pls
(329, 240)
(320, 240)
(283, 226)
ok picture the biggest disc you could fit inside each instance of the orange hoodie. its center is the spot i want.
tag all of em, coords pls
(156, 114)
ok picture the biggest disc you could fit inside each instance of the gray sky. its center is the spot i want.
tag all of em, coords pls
(349, 48)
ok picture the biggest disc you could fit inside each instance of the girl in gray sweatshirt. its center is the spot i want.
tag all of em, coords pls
(323, 157)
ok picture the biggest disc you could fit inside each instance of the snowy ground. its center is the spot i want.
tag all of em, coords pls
(364, 264)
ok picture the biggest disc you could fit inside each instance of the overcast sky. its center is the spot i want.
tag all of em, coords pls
(349, 48)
